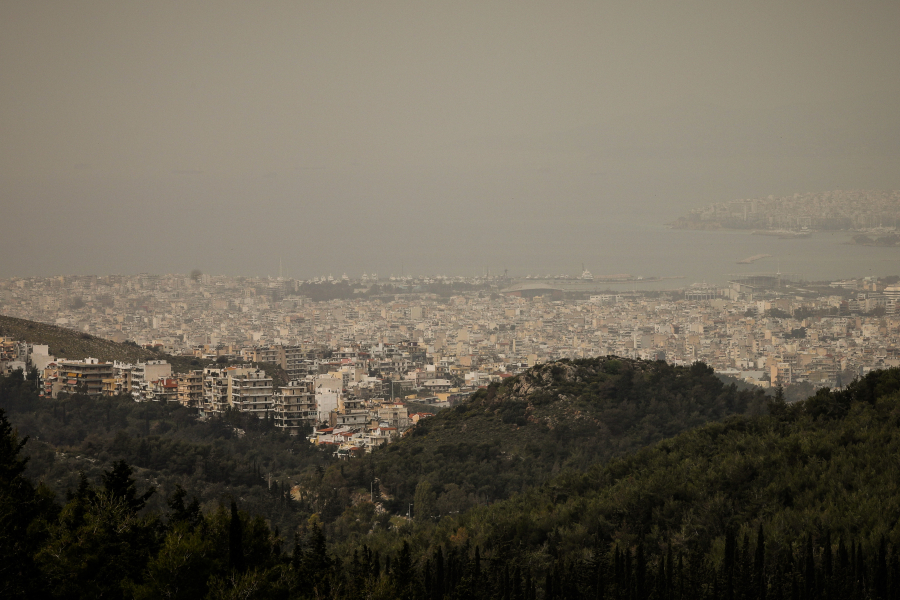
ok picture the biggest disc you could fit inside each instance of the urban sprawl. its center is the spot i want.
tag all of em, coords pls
(356, 363)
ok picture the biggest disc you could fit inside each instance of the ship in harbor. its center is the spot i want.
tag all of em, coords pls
(784, 234)
(752, 259)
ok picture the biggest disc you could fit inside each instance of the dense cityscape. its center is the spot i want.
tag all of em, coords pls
(350, 361)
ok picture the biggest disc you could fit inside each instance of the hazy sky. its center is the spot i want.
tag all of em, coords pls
(350, 136)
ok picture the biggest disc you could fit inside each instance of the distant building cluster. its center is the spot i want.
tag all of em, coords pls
(860, 210)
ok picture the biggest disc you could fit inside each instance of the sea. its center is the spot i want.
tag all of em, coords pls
(681, 258)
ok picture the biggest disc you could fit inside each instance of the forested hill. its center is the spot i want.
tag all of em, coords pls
(802, 503)
(563, 415)
(236, 456)
(799, 503)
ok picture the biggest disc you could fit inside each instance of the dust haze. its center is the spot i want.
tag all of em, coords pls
(431, 137)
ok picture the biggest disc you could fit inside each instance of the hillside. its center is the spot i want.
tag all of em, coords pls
(69, 343)
(239, 456)
(801, 503)
(567, 415)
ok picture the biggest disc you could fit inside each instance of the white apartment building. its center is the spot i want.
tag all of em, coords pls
(295, 407)
(241, 388)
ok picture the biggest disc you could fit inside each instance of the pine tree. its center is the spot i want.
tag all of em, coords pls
(119, 483)
(20, 506)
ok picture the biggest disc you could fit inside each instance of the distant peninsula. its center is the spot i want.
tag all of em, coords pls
(876, 214)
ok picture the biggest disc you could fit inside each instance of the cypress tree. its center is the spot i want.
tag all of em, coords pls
(842, 571)
(618, 568)
(235, 541)
(745, 586)
(809, 571)
(427, 583)
(660, 591)
(880, 579)
(894, 575)
(774, 589)
(626, 575)
(759, 565)
(439, 574)
(504, 583)
(860, 571)
(451, 574)
(640, 573)
(728, 564)
(477, 565)
(827, 568)
(402, 572)
(517, 585)
(670, 575)
(599, 578)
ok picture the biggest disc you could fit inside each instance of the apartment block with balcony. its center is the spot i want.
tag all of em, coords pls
(295, 407)
(252, 392)
(84, 376)
(142, 374)
(216, 390)
(190, 388)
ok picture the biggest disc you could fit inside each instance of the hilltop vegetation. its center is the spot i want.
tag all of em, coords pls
(566, 415)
